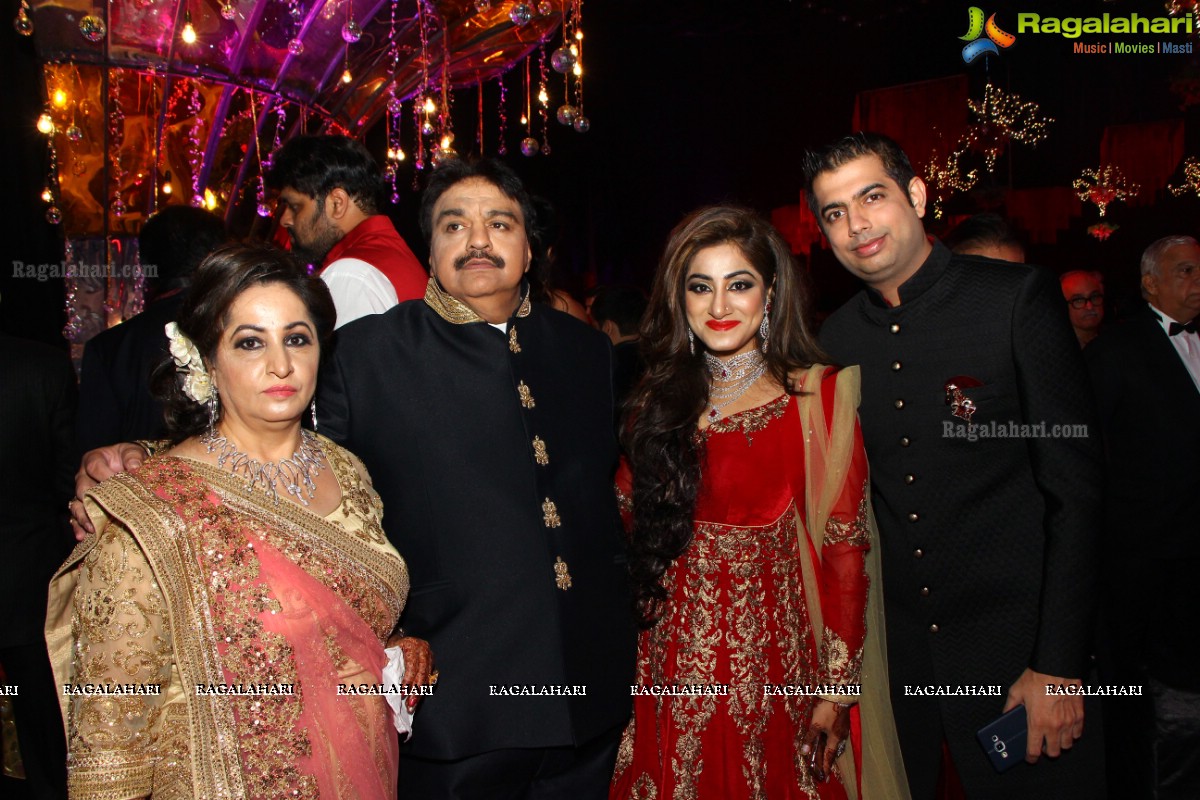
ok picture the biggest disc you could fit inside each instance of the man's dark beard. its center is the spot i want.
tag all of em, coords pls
(481, 255)
(314, 253)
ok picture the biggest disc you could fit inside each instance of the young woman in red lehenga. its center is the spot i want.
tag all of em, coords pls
(746, 496)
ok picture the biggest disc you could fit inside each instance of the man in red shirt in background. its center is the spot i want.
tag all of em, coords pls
(329, 186)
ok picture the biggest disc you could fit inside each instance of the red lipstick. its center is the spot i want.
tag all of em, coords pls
(723, 324)
(281, 391)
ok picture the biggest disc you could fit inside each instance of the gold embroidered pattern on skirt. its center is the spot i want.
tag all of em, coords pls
(526, 395)
(550, 514)
(562, 578)
(539, 452)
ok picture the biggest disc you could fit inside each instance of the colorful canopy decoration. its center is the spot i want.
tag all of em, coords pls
(157, 101)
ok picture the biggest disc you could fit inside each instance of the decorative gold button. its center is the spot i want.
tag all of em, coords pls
(895, 327)
(905, 441)
(933, 628)
(918, 553)
(899, 404)
(909, 478)
(924, 591)
(562, 578)
(539, 452)
(527, 400)
(896, 365)
(913, 517)
(550, 514)
(513, 344)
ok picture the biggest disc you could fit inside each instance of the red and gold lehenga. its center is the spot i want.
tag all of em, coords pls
(759, 605)
(192, 583)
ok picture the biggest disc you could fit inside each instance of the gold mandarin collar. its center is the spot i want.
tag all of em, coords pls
(456, 311)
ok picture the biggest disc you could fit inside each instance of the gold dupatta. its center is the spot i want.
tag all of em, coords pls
(828, 448)
(173, 538)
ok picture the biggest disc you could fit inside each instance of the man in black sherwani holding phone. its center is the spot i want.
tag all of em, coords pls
(985, 469)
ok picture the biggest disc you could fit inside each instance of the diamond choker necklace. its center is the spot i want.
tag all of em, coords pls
(296, 474)
(729, 380)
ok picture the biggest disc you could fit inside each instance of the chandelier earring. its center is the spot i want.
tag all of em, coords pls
(214, 408)
(313, 408)
(691, 341)
(764, 328)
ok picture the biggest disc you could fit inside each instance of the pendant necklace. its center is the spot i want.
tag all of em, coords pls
(295, 474)
(729, 380)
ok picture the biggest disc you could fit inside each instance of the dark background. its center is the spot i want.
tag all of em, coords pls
(700, 102)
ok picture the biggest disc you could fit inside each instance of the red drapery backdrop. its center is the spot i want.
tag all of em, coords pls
(1147, 152)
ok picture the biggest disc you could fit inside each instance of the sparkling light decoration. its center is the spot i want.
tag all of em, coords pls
(188, 34)
(502, 127)
(543, 100)
(945, 177)
(1191, 178)
(194, 151)
(45, 123)
(1104, 186)
(116, 139)
(1003, 118)
(228, 11)
(23, 23)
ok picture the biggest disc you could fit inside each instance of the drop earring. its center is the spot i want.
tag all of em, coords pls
(313, 408)
(691, 341)
(764, 328)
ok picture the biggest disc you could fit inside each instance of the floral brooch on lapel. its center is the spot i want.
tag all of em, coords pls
(961, 406)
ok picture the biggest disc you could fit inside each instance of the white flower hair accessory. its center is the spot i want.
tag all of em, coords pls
(197, 385)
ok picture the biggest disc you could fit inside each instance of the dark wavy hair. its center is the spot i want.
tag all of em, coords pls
(660, 435)
(217, 283)
(316, 165)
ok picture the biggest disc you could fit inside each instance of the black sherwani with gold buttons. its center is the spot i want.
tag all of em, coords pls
(989, 546)
(494, 455)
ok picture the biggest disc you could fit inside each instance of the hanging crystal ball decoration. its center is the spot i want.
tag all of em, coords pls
(296, 47)
(351, 32)
(521, 14)
(562, 60)
(22, 24)
(566, 114)
(92, 28)
(529, 146)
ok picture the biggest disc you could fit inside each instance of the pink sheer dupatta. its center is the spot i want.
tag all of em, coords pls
(353, 746)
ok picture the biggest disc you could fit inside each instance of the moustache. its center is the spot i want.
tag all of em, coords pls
(478, 255)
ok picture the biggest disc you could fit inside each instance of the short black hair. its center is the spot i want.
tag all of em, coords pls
(497, 173)
(623, 305)
(316, 165)
(848, 148)
(174, 241)
(982, 230)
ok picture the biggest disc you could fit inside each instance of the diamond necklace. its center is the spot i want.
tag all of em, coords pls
(297, 472)
(735, 377)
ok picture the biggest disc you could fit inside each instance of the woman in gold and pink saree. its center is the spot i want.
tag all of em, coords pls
(243, 616)
(221, 632)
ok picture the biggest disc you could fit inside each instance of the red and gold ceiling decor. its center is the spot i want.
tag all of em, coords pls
(1104, 186)
(1002, 117)
(165, 101)
(1191, 178)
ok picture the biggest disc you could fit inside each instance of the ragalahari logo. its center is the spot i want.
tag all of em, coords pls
(976, 28)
